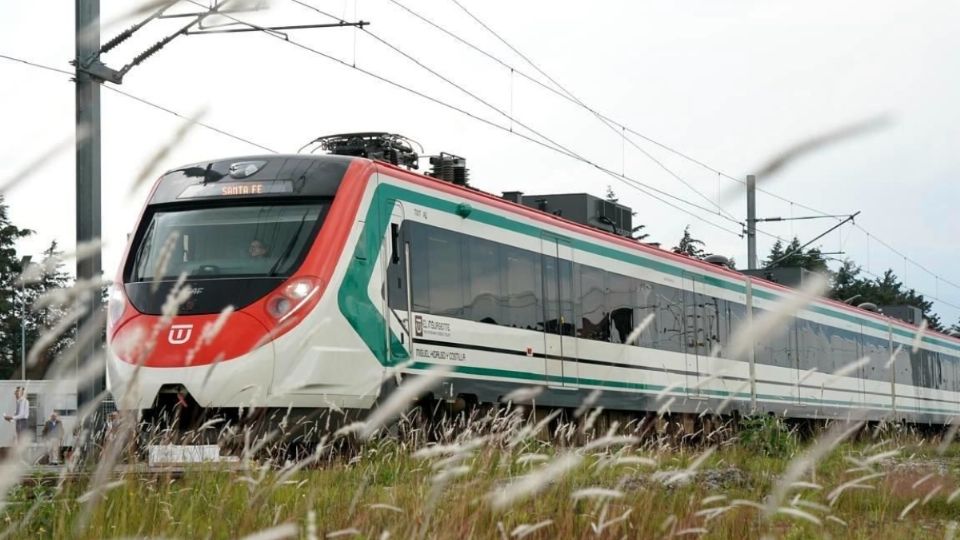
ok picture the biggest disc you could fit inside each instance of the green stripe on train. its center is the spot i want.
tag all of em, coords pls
(651, 388)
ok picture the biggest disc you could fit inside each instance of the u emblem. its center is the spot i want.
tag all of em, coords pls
(179, 334)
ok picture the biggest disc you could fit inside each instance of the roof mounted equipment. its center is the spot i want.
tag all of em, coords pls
(450, 168)
(388, 147)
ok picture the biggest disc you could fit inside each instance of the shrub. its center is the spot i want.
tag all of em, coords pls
(768, 435)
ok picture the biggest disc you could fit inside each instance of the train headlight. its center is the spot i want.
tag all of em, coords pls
(116, 304)
(279, 306)
(300, 289)
(292, 296)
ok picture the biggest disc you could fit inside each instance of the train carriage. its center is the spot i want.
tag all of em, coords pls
(303, 280)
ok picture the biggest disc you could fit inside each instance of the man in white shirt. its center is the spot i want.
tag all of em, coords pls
(21, 414)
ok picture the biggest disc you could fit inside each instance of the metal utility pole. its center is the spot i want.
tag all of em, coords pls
(87, 39)
(751, 222)
(24, 263)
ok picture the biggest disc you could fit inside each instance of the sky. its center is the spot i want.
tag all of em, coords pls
(731, 84)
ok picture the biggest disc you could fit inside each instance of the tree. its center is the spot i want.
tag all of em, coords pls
(690, 246)
(847, 286)
(45, 293)
(10, 293)
(636, 233)
(793, 256)
(887, 289)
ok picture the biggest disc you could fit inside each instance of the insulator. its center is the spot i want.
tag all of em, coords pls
(116, 41)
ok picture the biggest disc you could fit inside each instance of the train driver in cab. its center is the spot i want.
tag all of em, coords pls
(257, 249)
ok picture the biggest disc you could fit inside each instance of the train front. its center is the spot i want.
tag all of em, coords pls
(221, 282)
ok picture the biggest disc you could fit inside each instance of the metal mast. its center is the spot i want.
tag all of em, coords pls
(87, 39)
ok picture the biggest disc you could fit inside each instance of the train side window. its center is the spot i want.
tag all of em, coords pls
(645, 300)
(737, 315)
(712, 308)
(764, 345)
(419, 268)
(594, 323)
(670, 318)
(446, 281)
(521, 287)
(396, 275)
(483, 277)
(620, 306)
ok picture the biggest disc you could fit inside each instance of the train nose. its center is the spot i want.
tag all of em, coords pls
(188, 341)
(227, 361)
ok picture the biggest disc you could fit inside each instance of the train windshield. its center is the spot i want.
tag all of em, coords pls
(238, 241)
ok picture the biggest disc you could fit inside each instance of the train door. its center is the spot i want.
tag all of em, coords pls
(396, 295)
(794, 359)
(560, 359)
(862, 371)
(694, 332)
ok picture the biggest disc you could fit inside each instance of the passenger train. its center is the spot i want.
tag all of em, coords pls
(304, 279)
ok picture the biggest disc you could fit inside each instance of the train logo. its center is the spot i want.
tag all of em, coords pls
(180, 334)
(418, 325)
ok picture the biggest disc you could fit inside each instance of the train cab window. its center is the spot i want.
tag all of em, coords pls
(241, 241)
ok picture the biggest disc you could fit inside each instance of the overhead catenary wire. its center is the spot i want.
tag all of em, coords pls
(148, 103)
(36, 65)
(618, 129)
(511, 118)
(563, 93)
(191, 120)
(644, 188)
(573, 99)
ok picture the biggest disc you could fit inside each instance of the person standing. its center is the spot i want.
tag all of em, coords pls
(21, 415)
(53, 436)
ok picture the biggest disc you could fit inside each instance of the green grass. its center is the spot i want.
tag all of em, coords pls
(227, 504)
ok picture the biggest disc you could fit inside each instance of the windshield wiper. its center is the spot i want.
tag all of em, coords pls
(289, 248)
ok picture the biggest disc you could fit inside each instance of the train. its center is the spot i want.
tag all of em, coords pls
(301, 282)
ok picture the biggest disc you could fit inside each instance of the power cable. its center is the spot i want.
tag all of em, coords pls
(36, 65)
(644, 188)
(615, 127)
(623, 127)
(619, 132)
(147, 102)
(187, 118)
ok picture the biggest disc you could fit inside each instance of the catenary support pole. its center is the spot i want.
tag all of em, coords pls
(751, 222)
(87, 39)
